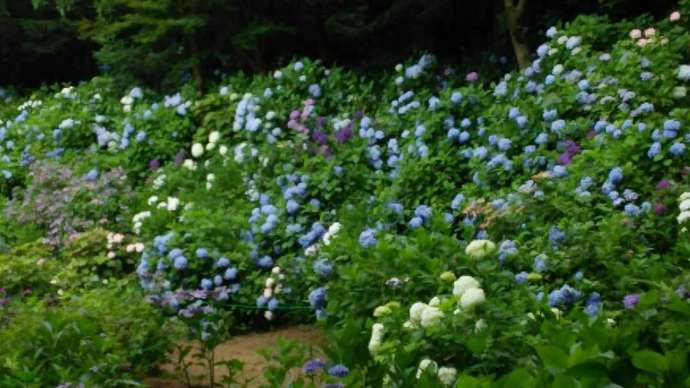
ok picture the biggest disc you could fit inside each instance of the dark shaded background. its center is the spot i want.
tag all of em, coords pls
(40, 46)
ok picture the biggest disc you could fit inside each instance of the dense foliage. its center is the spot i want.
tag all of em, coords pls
(445, 230)
(161, 42)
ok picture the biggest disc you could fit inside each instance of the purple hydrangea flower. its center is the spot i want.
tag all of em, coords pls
(631, 300)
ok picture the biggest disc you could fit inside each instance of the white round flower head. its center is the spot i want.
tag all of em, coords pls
(684, 205)
(557, 69)
(635, 33)
(478, 249)
(381, 311)
(416, 311)
(426, 364)
(269, 283)
(223, 150)
(472, 298)
(126, 100)
(435, 301)
(275, 270)
(674, 17)
(562, 39)
(189, 164)
(197, 150)
(684, 72)
(447, 375)
(210, 146)
(268, 293)
(152, 200)
(377, 332)
(684, 196)
(277, 74)
(683, 216)
(679, 92)
(431, 316)
(463, 284)
(649, 32)
(399, 67)
(268, 315)
(172, 204)
(213, 137)
(311, 251)
(479, 325)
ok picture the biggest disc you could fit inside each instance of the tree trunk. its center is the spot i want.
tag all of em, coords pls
(197, 72)
(515, 13)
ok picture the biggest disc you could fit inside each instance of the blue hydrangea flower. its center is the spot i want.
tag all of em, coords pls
(265, 262)
(677, 149)
(654, 150)
(317, 298)
(540, 263)
(593, 304)
(222, 262)
(367, 238)
(338, 370)
(521, 277)
(323, 267)
(230, 273)
(202, 253)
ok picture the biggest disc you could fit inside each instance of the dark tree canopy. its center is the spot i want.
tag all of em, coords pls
(163, 42)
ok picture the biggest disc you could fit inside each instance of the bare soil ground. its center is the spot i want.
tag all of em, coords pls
(243, 348)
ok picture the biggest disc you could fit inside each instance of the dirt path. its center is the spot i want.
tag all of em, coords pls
(243, 348)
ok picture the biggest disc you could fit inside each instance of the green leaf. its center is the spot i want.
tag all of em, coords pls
(649, 361)
(467, 382)
(553, 358)
(563, 381)
(517, 378)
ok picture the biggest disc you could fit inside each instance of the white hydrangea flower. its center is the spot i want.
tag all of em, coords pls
(377, 332)
(447, 375)
(478, 249)
(152, 200)
(213, 137)
(311, 251)
(197, 150)
(684, 205)
(172, 204)
(223, 150)
(472, 298)
(426, 364)
(680, 92)
(479, 325)
(684, 72)
(463, 284)
(431, 316)
(381, 311)
(189, 164)
(416, 311)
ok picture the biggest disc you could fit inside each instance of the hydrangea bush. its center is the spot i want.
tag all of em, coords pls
(447, 230)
